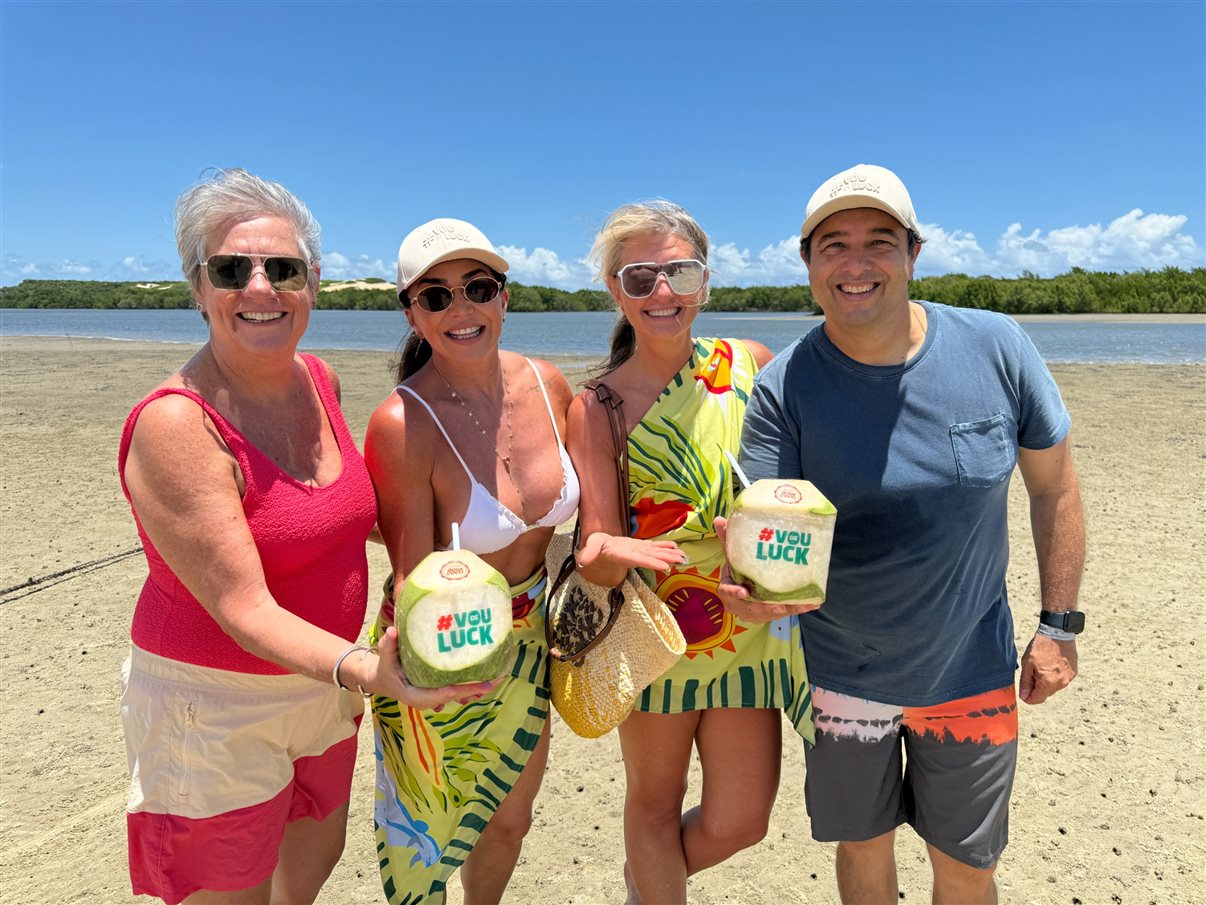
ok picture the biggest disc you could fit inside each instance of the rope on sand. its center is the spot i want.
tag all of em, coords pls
(33, 585)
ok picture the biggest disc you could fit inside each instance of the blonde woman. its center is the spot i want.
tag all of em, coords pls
(684, 398)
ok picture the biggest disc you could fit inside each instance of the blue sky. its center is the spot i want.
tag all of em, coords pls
(1032, 136)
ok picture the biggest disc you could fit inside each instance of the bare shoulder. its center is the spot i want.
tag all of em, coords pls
(588, 418)
(554, 381)
(173, 419)
(333, 377)
(762, 355)
(397, 414)
(177, 454)
(403, 424)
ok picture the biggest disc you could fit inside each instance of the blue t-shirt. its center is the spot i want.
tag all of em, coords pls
(917, 459)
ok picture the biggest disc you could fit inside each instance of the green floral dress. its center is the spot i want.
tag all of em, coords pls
(679, 481)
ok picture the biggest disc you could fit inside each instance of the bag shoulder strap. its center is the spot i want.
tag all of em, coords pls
(614, 403)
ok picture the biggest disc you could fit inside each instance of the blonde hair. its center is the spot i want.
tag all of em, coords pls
(660, 217)
(640, 219)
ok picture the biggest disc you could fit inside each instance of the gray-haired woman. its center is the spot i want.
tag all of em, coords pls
(242, 694)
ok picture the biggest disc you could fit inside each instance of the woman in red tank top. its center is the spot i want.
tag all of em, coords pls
(242, 694)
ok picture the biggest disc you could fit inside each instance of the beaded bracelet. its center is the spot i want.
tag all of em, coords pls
(338, 663)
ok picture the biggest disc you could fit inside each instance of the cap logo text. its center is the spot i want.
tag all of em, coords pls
(854, 183)
(446, 232)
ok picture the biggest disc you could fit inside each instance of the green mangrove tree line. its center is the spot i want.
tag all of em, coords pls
(1168, 291)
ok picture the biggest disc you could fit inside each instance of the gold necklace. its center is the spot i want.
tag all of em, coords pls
(508, 406)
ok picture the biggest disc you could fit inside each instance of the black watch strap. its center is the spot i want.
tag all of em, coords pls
(1071, 621)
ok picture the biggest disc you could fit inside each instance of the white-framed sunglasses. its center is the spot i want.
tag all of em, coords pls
(684, 277)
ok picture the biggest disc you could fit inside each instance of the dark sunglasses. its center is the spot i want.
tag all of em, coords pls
(479, 291)
(684, 277)
(234, 271)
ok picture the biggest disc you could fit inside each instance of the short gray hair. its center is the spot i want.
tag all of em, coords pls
(225, 197)
(640, 219)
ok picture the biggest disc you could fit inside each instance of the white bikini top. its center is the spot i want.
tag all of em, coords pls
(488, 525)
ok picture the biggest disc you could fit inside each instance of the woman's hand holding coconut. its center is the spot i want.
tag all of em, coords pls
(380, 672)
(737, 599)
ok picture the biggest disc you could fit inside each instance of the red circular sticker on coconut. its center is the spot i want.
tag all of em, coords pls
(785, 493)
(454, 570)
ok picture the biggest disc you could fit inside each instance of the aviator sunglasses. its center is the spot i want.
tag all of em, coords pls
(479, 291)
(234, 271)
(684, 277)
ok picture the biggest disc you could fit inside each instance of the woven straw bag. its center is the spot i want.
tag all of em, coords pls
(607, 644)
(622, 639)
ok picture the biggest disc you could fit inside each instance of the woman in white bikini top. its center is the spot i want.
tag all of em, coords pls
(488, 525)
(471, 435)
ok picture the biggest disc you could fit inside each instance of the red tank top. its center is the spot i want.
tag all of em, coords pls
(310, 540)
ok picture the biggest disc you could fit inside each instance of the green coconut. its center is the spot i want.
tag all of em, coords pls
(780, 534)
(453, 617)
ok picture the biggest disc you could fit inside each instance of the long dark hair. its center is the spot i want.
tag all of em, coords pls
(413, 353)
(623, 344)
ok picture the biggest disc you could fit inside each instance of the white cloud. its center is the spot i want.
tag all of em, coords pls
(336, 266)
(1131, 242)
(544, 267)
(1134, 241)
(953, 252)
(775, 265)
(731, 266)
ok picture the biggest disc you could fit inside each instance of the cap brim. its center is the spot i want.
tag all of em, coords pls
(847, 203)
(489, 258)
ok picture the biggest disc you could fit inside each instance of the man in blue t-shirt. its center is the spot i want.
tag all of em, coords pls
(910, 417)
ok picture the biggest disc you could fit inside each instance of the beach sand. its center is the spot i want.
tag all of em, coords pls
(1110, 796)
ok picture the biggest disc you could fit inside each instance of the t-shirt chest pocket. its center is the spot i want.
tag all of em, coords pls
(985, 451)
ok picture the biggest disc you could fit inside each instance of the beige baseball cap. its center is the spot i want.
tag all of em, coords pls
(863, 185)
(443, 239)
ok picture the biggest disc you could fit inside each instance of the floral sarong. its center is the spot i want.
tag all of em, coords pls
(679, 481)
(441, 776)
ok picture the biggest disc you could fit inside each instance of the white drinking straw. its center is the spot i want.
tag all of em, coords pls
(456, 536)
(745, 482)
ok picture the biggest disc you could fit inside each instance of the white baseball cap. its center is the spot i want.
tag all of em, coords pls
(443, 239)
(863, 185)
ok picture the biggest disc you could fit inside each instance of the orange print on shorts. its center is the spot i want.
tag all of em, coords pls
(991, 717)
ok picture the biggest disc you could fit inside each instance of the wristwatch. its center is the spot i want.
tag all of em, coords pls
(1070, 621)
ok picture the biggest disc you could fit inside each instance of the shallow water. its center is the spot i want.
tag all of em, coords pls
(1153, 339)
